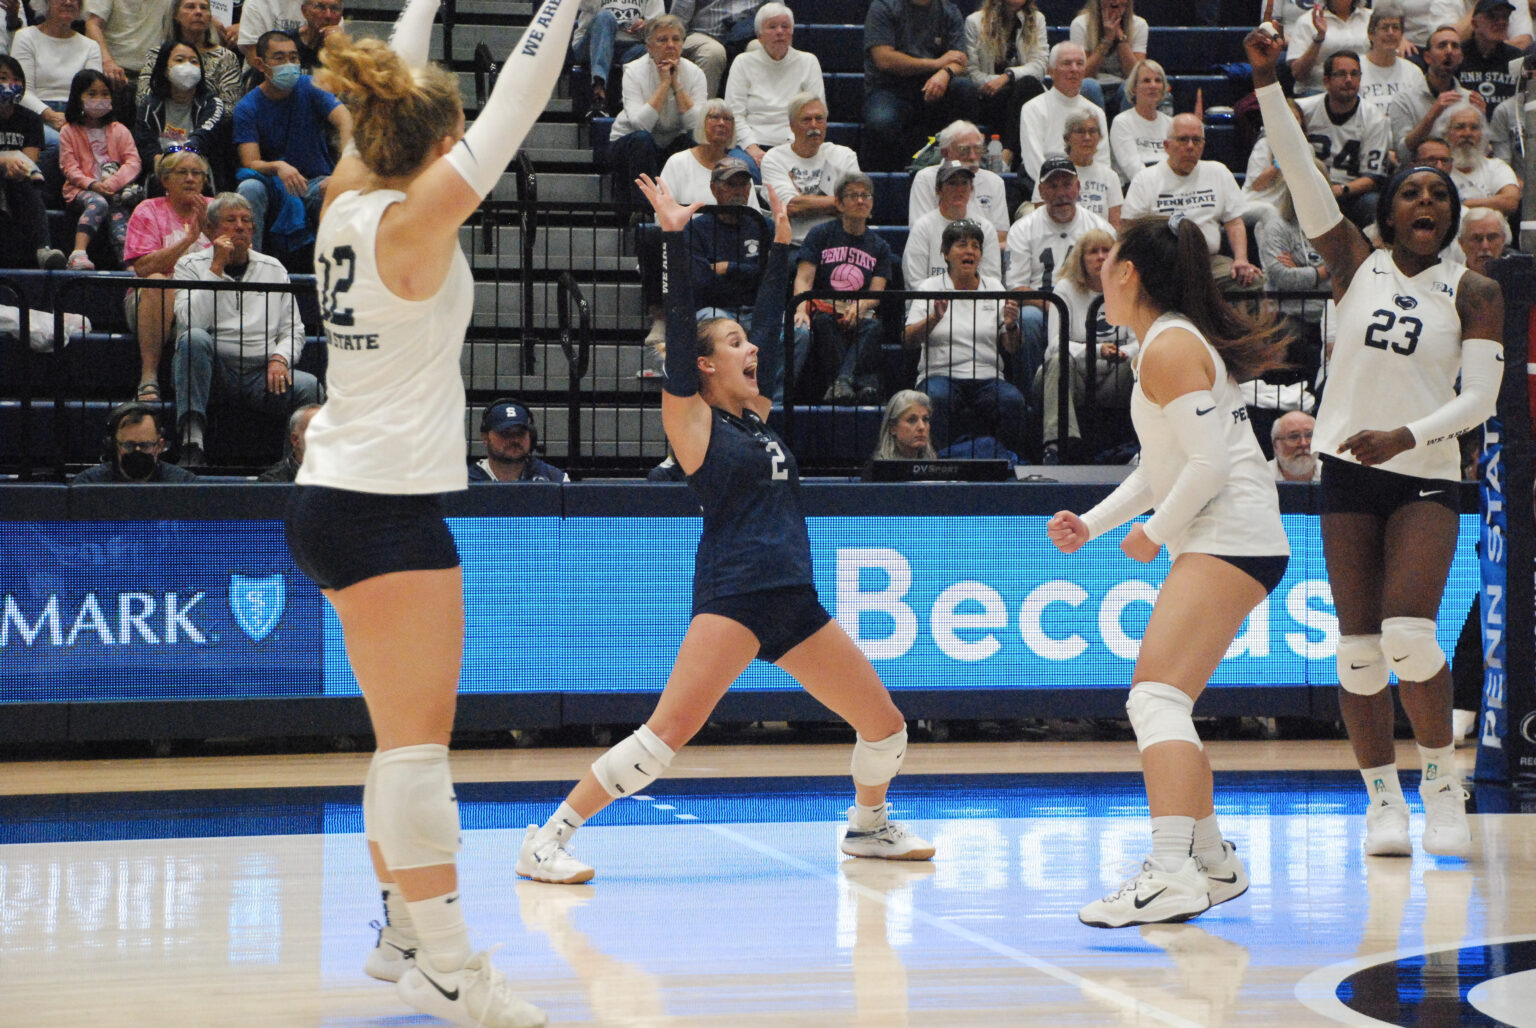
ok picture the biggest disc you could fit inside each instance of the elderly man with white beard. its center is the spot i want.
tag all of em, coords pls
(1481, 180)
(1294, 460)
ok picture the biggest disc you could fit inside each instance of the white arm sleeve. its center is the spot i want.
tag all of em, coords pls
(1205, 467)
(1316, 209)
(1482, 373)
(1131, 498)
(522, 91)
(412, 34)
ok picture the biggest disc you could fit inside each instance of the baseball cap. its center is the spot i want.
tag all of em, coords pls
(729, 167)
(948, 170)
(1492, 6)
(1056, 161)
(503, 415)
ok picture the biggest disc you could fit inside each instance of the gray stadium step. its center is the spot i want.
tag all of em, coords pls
(580, 249)
(498, 368)
(616, 306)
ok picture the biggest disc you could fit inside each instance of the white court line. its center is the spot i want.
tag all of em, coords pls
(1115, 996)
(1318, 991)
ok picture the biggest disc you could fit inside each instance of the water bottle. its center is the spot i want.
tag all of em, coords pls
(994, 158)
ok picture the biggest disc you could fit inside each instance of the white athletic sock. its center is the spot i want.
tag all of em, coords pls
(869, 817)
(1382, 784)
(441, 931)
(1208, 843)
(1172, 837)
(397, 913)
(562, 823)
(1438, 763)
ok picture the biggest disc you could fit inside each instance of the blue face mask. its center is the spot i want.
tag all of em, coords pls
(11, 92)
(286, 76)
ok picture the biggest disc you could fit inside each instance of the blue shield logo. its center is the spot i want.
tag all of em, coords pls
(257, 604)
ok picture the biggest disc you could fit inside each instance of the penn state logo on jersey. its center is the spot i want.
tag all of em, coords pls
(1407, 303)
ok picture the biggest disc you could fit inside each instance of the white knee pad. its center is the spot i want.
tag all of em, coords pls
(1161, 713)
(633, 763)
(1411, 649)
(415, 813)
(875, 763)
(1362, 668)
(371, 801)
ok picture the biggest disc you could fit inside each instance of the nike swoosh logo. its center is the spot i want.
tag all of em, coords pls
(1378, 271)
(1500, 357)
(1399, 660)
(1202, 413)
(450, 899)
(1138, 902)
(1358, 667)
(451, 997)
(1430, 492)
(1230, 879)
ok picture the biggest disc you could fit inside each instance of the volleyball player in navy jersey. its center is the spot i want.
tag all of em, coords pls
(1410, 324)
(753, 596)
(366, 523)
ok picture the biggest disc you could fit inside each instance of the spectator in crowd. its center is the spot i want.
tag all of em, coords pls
(962, 342)
(923, 257)
(1292, 265)
(190, 22)
(1114, 39)
(1414, 110)
(1038, 245)
(506, 429)
(1045, 117)
(1080, 285)
(11, 19)
(1333, 25)
(1203, 191)
(1098, 187)
(1291, 439)
(718, 30)
(321, 18)
(1350, 137)
(125, 30)
(1481, 180)
(1263, 184)
(1488, 62)
(1005, 52)
(293, 457)
(179, 108)
(842, 337)
(1484, 236)
(1520, 34)
(663, 97)
(101, 167)
(805, 170)
(764, 80)
(22, 216)
(51, 53)
(1506, 132)
(903, 431)
(242, 344)
(281, 137)
(914, 76)
(161, 231)
(258, 17)
(606, 26)
(687, 172)
(960, 142)
(135, 442)
(1137, 135)
(1421, 18)
(725, 246)
(1385, 72)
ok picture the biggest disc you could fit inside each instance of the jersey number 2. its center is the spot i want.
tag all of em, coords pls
(339, 269)
(780, 462)
(1379, 334)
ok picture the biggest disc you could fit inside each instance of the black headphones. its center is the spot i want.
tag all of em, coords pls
(133, 410)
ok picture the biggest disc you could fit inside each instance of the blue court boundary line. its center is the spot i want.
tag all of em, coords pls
(86, 817)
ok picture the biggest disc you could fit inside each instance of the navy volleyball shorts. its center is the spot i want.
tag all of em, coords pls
(339, 537)
(1350, 488)
(1267, 571)
(781, 618)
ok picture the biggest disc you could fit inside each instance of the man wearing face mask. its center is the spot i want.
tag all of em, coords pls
(281, 137)
(134, 444)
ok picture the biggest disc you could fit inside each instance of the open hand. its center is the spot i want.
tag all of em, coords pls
(670, 215)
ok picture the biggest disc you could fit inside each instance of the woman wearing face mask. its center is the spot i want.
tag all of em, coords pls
(191, 22)
(50, 54)
(179, 110)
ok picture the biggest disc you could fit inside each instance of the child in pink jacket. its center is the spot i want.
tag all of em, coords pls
(100, 164)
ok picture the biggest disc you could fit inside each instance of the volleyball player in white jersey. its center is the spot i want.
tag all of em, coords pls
(1386, 432)
(366, 522)
(1217, 511)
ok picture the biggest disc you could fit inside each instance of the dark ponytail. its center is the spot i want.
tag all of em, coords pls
(1174, 264)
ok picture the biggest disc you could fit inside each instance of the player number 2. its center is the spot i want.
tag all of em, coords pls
(780, 462)
(338, 270)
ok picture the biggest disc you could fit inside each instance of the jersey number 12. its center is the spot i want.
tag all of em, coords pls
(338, 270)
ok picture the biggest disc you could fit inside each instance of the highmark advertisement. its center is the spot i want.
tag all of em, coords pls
(138, 610)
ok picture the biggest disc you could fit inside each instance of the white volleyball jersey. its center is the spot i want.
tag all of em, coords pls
(1395, 359)
(393, 420)
(1243, 518)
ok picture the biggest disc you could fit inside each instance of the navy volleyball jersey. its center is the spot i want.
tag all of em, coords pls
(754, 530)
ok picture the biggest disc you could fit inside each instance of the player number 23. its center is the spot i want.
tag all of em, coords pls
(1388, 331)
